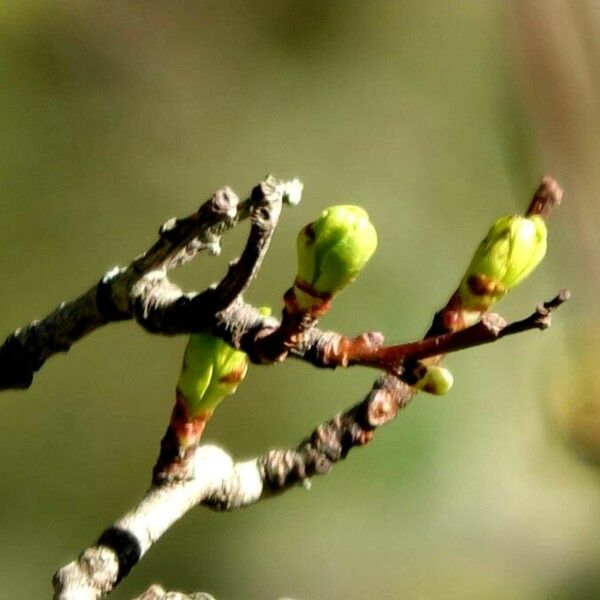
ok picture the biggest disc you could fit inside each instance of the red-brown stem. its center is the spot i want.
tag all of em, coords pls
(368, 349)
(295, 322)
(179, 443)
(322, 301)
(451, 318)
(391, 357)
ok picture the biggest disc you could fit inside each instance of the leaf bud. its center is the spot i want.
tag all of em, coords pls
(512, 249)
(433, 379)
(211, 370)
(331, 252)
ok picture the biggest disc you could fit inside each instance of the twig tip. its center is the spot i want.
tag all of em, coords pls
(564, 295)
(548, 195)
(291, 191)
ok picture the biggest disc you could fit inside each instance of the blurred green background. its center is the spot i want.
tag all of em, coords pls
(437, 117)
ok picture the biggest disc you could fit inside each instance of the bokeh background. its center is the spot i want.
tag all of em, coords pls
(437, 117)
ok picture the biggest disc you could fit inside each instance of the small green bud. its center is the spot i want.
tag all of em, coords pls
(512, 249)
(331, 252)
(434, 380)
(211, 370)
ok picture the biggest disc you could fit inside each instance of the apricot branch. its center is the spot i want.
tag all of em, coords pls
(222, 321)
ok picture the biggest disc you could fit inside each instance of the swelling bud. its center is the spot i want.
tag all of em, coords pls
(211, 370)
(331, 252)
(512, 249)
(434, 380)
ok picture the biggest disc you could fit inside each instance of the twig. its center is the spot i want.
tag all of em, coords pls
(143, 291)
(125, 293)
(221, 484)
(266, 202)
(490, 328)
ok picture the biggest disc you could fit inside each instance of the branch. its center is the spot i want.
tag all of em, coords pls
(142, 290)
(222, 484)
(490, 328)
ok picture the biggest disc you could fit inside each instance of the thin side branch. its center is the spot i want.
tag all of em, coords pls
(490, 328)
(266, 207)
(142, 290)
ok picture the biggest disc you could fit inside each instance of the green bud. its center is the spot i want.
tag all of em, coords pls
(434, 380)
(512, 249)
(211, 370)
(331, 252)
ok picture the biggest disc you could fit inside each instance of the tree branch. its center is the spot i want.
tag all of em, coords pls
(222, 484)
(490, 328)
(143, 291)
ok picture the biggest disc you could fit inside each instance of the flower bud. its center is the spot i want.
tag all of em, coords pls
(434, 380)
(211, 370)
(512, 249)
(331, 252)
